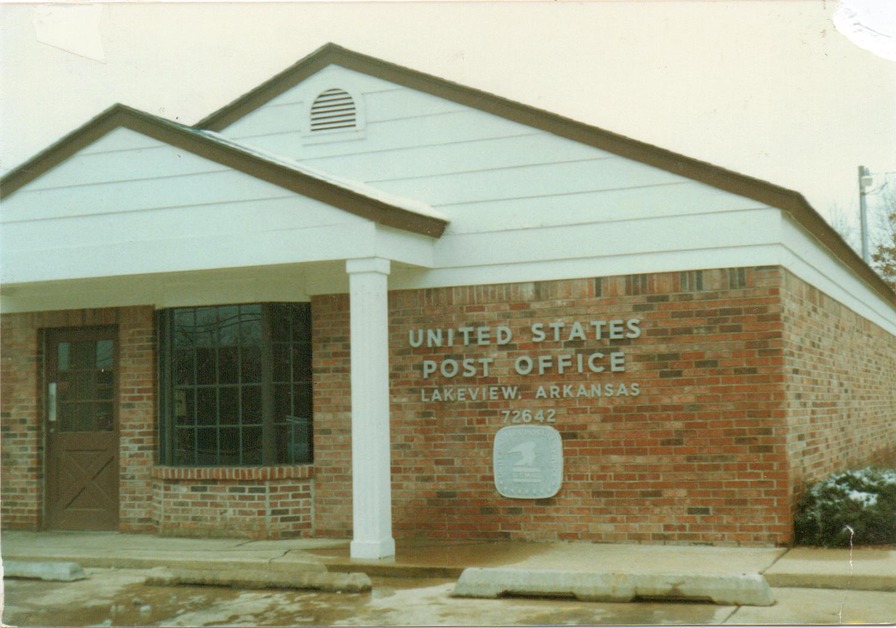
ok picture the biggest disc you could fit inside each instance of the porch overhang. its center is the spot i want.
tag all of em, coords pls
(131, 204)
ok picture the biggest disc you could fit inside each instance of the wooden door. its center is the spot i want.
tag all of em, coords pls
(81, 403)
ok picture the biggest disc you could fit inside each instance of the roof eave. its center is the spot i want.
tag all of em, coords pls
(225, 153)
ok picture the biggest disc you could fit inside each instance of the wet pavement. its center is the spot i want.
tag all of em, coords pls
(119, 597)
(810, 586)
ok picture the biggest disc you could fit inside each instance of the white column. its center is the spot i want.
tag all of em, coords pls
(371, 471)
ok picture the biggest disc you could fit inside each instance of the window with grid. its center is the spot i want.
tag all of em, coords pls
(236, 384)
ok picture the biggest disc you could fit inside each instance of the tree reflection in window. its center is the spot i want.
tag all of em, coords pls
(236, 384)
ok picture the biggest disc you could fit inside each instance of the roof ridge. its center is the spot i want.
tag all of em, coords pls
(285, 74)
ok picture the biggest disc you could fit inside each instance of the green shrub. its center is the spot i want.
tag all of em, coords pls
(853, 507)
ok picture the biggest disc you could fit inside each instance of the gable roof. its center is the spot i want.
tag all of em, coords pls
(353, 197)
(203, 140)
(764, 192)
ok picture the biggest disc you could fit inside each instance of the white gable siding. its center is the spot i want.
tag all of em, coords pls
(480, 170)
(130, 205)
(515, 196)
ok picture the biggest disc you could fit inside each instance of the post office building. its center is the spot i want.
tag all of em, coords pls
(364, 302)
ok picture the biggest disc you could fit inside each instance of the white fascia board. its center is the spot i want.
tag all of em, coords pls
(29, 264)
(189, 253)
(216, 287)
(814, 264)
(404, 247)
(596, 266)
(114, 276)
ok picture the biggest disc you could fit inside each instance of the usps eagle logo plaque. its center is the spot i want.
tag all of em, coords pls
(528, 461)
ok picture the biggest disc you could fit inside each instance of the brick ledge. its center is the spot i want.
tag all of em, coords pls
(285, 472)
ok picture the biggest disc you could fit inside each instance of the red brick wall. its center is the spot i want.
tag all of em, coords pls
(22, 411)
(138, 447)
(260, 502)
(706, 452)
(840, 381)
(21, 436)
(269, 502)
(331, 349)
(697, 456)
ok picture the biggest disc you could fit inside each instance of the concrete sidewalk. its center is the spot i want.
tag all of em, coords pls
(862, 569)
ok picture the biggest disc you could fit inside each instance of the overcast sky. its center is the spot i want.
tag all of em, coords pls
(768, 88)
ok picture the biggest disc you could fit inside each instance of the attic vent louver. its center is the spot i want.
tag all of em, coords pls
(333, 109)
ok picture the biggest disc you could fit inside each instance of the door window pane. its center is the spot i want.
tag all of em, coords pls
(80, 386)
(83, 355)
(104, 420)
(65, 417)
(63, 355)
(84, 383)
(105, 384)
(104, 354)
(75, 416)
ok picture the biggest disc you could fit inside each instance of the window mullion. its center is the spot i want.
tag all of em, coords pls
(166, 392)
(268, 436)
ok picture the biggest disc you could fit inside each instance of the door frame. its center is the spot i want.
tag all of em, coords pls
(49, 355)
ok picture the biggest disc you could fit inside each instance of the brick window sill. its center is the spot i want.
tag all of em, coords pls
(258, 474)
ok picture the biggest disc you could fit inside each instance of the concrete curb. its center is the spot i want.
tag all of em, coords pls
(722, 589)
(220, 562)
(42, 570)
(392, 570)
(856, 582)
(266, 579)
(862, 569)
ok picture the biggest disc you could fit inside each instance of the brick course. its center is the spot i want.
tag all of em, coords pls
(258, 503)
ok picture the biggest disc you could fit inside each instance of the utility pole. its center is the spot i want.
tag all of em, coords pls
(864, 180)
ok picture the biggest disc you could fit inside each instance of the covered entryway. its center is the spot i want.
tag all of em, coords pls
(176, 217)
(81, 426)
